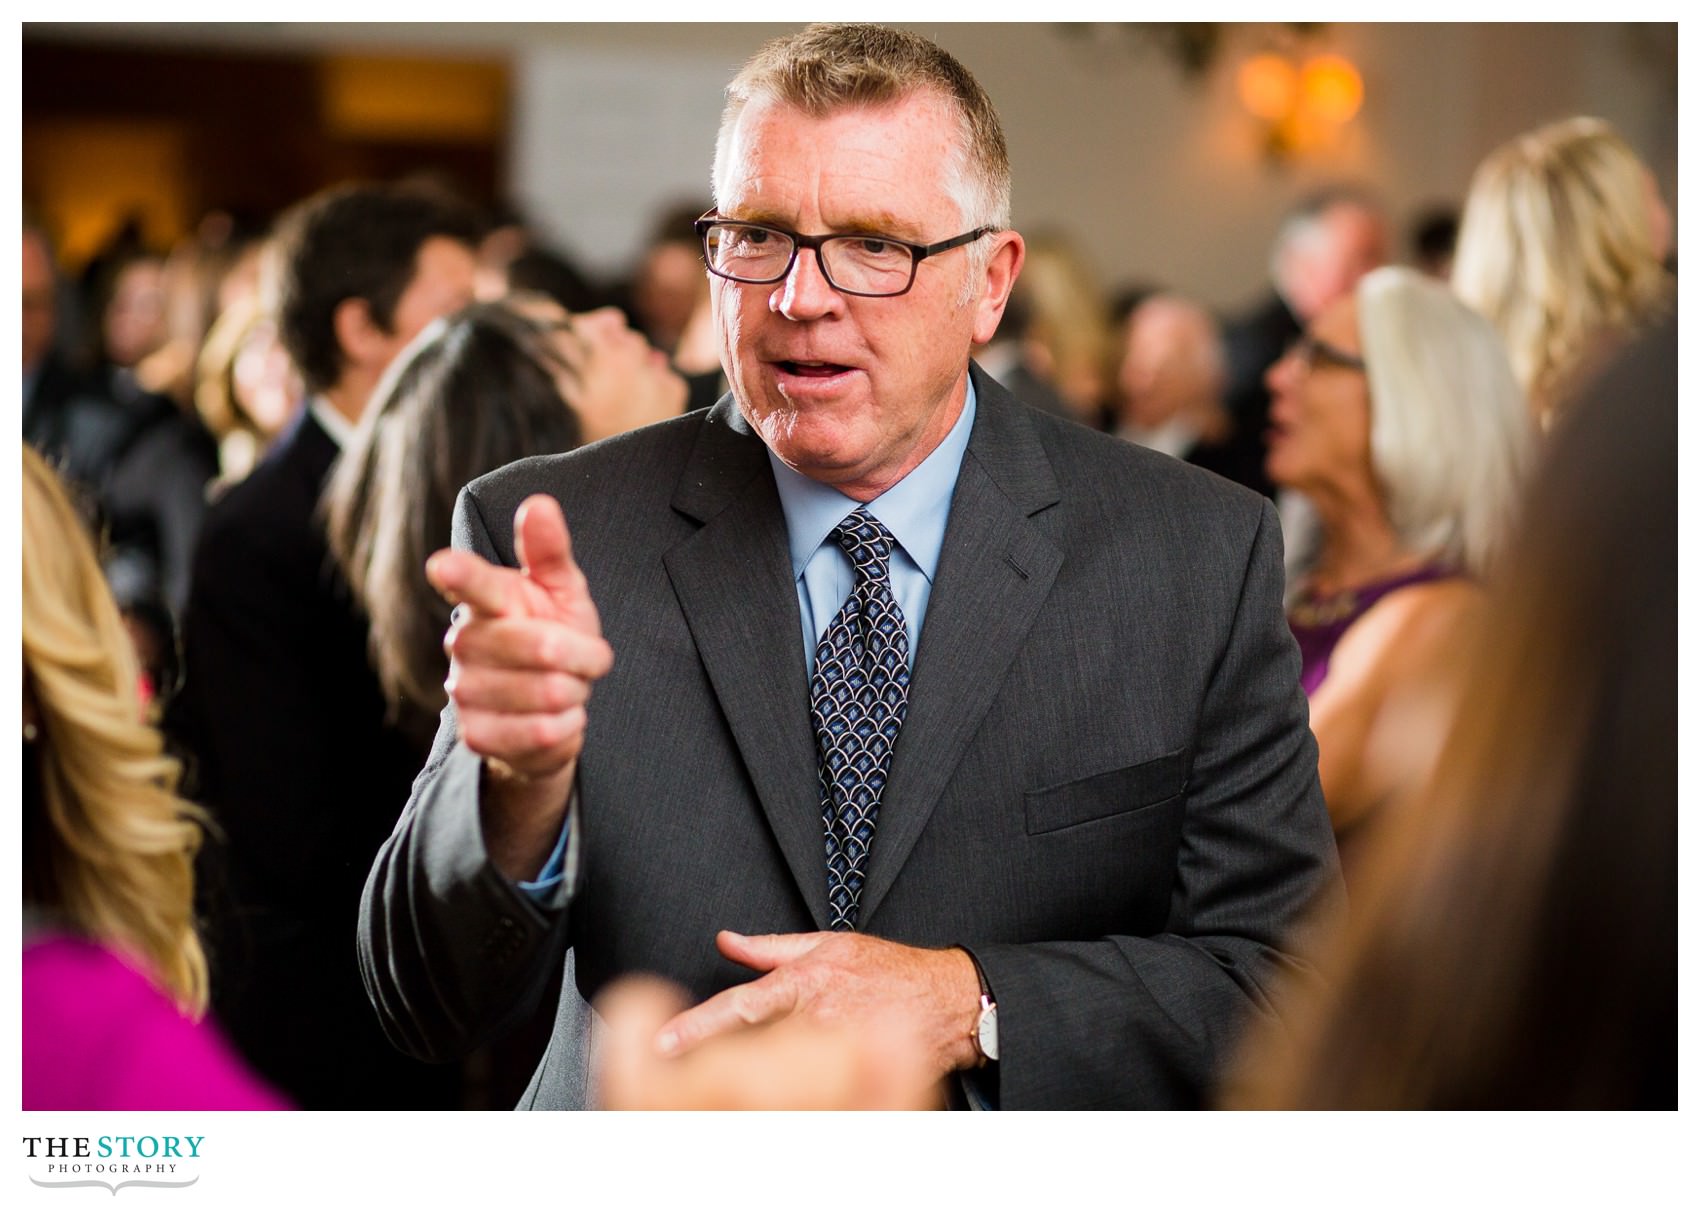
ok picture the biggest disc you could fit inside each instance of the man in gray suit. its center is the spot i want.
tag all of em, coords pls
(1036, 775)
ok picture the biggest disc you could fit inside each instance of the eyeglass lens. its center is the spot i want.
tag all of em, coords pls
(863, 264)
(1311, 352)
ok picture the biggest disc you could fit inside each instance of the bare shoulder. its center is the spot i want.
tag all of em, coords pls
(1373, 715)
(1409, 628)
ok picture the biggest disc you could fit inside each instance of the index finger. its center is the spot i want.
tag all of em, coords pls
(466, 577)
(764, 952)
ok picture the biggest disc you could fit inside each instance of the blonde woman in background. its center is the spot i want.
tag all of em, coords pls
(1397, 418)
(113, 975)
(1069, 341)
(1562, 246)
(246, 390)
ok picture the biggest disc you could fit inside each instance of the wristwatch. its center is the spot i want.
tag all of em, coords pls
(985, 1035)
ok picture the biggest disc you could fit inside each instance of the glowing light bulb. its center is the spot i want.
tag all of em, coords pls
(1331, 89)
(1268, 85)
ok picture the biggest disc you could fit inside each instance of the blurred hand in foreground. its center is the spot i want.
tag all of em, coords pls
(792, 1064)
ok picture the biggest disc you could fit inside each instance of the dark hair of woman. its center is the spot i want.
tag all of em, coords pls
(476, 390)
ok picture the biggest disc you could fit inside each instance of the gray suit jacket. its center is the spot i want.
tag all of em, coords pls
(1105, 785)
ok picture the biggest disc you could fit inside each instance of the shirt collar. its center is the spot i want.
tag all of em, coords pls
(331, 421)
(915, 509)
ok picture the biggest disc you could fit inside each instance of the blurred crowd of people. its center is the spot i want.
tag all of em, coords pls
(285, 637)
(263, 430)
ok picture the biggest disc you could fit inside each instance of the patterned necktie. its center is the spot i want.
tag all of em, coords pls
(857, 699)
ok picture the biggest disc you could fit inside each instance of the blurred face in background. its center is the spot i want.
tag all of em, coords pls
(1319, 412)
(39, 320)
(606, 371)
(1170, 367)
(264, 381)
(1322, 266)
(443, 275)
(134, 323)
(666, 291)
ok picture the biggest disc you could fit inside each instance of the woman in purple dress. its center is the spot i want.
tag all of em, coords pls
(114, 981)
(1397, 417)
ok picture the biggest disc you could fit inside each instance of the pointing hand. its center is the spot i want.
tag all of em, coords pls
(524, 648)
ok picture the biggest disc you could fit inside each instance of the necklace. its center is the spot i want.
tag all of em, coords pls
(1320, 609)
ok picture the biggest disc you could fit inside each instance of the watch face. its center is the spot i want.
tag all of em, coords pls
(988, 1032)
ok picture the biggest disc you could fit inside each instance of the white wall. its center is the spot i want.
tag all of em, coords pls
(603, 138)
(1161, 175)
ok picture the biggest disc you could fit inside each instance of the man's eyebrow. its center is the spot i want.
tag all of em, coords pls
(880, 224)
(867, 223)
(757, 215)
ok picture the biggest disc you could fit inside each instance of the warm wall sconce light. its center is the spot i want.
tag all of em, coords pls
(1331, 88)
(1269, 86)
(1299, 107)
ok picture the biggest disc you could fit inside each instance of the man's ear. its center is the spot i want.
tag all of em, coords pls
(363, 343)
(1001, 272)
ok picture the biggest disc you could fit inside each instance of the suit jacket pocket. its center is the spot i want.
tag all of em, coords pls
(1112, 793)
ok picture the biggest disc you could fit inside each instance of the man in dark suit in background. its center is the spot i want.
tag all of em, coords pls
(954, 710)
(1325, 244)
(280, 710)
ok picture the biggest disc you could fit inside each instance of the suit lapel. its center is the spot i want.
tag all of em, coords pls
(734, 585)
(994, 573)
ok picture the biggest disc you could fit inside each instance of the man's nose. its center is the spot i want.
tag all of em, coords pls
(805, 294)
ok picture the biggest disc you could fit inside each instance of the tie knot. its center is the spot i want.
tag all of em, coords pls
(867, 543)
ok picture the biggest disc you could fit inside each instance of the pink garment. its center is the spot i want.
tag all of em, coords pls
(98, 1036)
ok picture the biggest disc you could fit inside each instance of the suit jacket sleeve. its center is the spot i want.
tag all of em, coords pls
(452, 953)
(1151, 1021)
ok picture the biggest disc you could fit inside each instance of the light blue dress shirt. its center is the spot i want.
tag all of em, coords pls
(916, 510)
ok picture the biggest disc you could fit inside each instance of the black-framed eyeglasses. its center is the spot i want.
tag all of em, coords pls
(1312, 353)
(870, 265)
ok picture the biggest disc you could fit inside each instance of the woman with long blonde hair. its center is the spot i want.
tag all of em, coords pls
(1562, 247)
(1070, 340)
(114, 977)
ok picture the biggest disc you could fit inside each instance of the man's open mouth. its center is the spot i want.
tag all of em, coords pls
(812, 370)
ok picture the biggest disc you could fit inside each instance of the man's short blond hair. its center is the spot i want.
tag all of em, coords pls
(826, 68)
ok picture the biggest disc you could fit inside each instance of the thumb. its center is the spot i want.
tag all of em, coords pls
(634, 1008)
(543, 546)
(765, 952)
